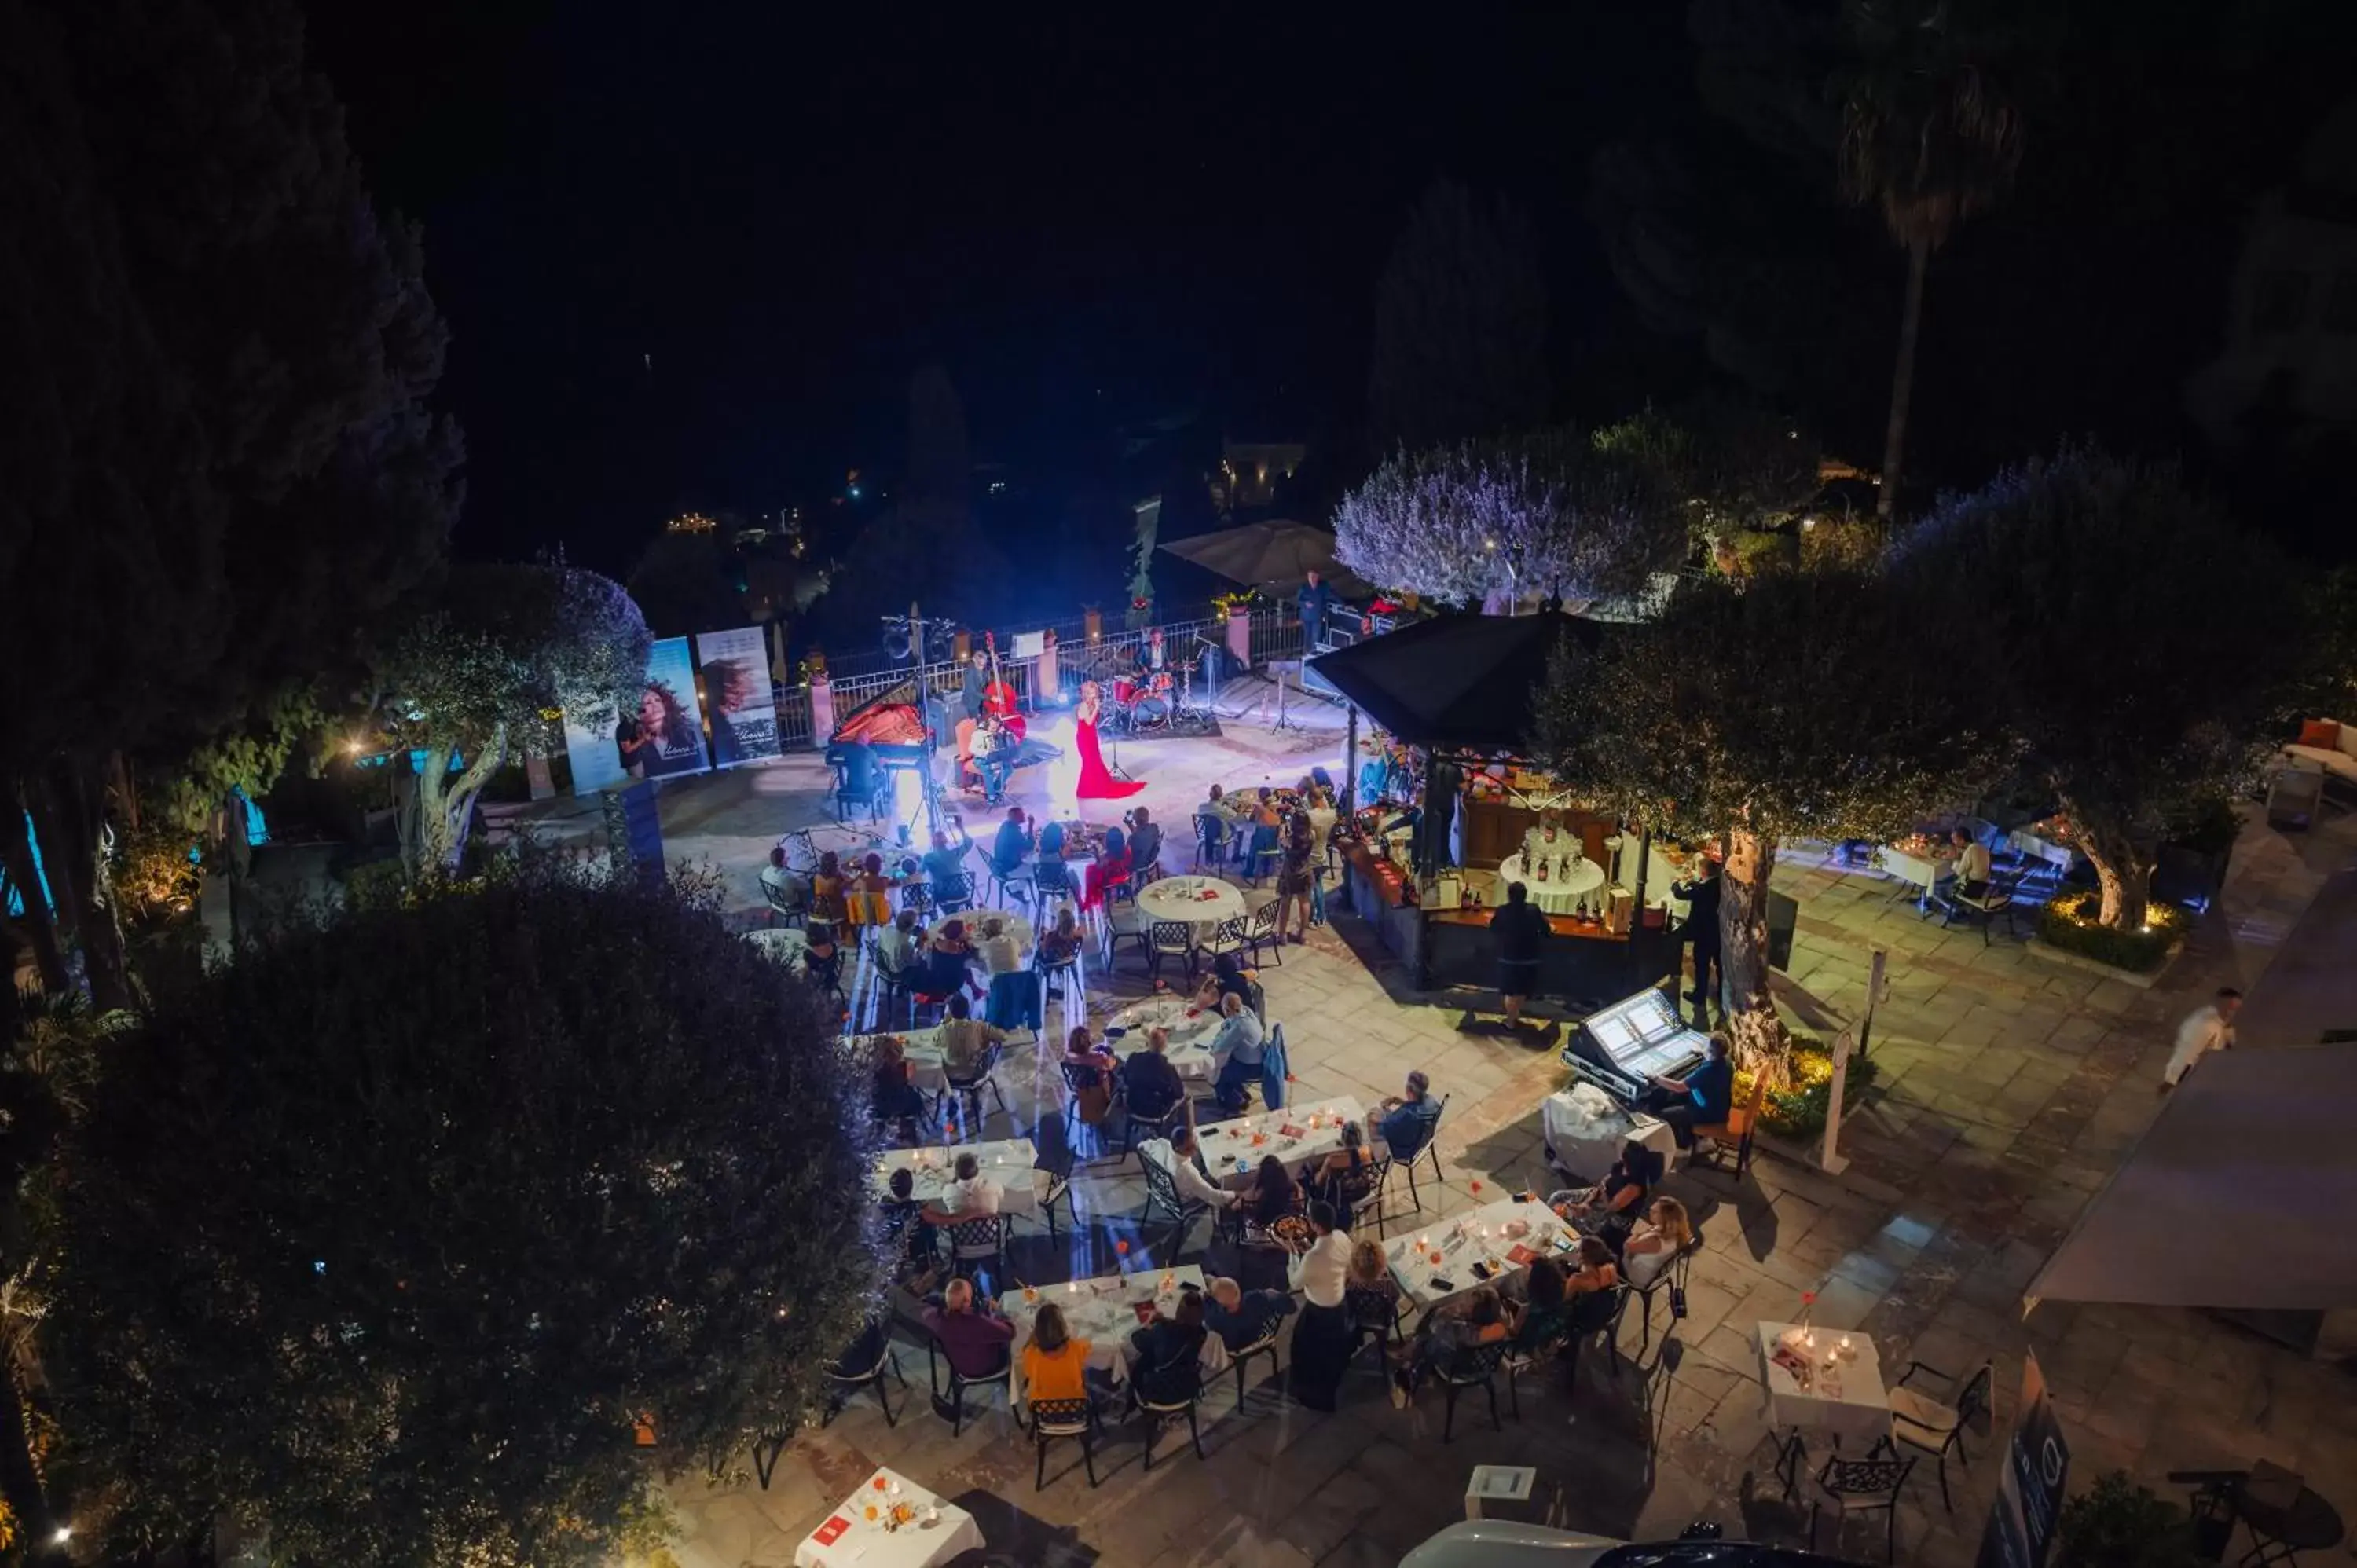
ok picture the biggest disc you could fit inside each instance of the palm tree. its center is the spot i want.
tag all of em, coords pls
(1931, 137)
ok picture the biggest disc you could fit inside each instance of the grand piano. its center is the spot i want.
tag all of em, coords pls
(1615, 1054)
(887, 733)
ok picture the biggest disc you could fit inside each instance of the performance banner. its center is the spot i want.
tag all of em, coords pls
(2029, 1502)
(659, 738)
(737, 691)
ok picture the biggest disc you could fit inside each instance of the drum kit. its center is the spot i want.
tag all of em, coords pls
(1154, 703)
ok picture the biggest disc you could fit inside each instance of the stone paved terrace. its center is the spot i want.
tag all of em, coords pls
(2008, 1089)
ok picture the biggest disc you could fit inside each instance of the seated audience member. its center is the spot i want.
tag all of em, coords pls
(943, 865)
(973, 1337)
(1703, 1099)
(1011, 844)
(1055, 1364)
(949, 961)
(1661, 1235)
(782, 888)
(894, 1096)
(997, 949)
(1613, 1204)
(1458, 1325)
(898, 947)
(1170, 1351)
(1176, 1156)
(1542, 1307)
(915, 1251)
(1372, 1293)
(1241, 1316)
(1109, 869)
(1062, 944)
(1089, 1074)
(1408, 1120)
(1341, 1179)
(1150, 1085)
(1274, 1195)
(965, 1037)
(1972, 865)
(821, 958)
(1144, 847)
(869, 896)
(827, 886)
(971, 1196)
(1596, 1270)
(1238, 1045)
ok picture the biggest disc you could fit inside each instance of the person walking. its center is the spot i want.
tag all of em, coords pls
(2210, 1028)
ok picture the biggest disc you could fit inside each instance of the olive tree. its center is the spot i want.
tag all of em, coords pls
(1800, 705)
(488, 660)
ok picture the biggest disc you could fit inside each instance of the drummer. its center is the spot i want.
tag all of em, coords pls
(1149, 657)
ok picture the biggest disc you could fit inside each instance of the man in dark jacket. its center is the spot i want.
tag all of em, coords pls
(1700, 892)
(1313, 601)
(1519, 931)
(1241, 1316)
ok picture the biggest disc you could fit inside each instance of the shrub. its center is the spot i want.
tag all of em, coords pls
(2068, 923)
(2117, 1524)
(1798, 1111)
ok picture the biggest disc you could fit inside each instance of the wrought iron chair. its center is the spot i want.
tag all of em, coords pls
(1671, 1280)
(1263, 1346)
(871, 1360)
(1170, 939)
(1475, 1367)
(1162, 1198)
(979, 1240)
(1933, 1427)
(1861, 1486)
(1260, 931)
(1170, 1400)
(937, 1359)
(1052, 1419)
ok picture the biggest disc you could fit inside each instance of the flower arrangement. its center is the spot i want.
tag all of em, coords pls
(1242, 599)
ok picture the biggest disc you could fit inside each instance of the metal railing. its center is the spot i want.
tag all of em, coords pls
(1276, 634)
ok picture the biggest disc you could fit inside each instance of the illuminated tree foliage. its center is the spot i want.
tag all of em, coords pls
(1800, 705)
(497, 650)
(2133, 638)
(480, 1179)
(1549, 515)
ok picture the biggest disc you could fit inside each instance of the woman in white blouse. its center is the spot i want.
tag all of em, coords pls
(1662, 1234)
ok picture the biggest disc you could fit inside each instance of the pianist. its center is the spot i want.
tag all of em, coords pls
(1702, 1098)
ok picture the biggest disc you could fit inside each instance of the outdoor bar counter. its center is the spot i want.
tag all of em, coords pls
(1581, 961)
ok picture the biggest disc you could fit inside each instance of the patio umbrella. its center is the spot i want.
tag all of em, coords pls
(1270, 555)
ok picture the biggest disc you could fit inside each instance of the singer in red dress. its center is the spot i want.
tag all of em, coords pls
(1096, 784)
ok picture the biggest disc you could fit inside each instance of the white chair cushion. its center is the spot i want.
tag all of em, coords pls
(2336, 762)
(1924, 1422)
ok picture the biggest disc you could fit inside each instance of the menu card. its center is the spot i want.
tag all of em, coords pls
(831, 1531)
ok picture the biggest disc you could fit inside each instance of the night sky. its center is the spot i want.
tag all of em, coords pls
(690, 258)
(1086, 225)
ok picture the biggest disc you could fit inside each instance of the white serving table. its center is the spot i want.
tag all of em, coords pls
(1192, 1031)
(1202, 902)
(1568, 885)
(1481, 1235)
(1845, 1402)
(1315, 1131)
(1585, 1129)
(1009, 1163)
(938, 1532)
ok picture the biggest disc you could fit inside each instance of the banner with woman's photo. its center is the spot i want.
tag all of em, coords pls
(658, 735)
(739, 696)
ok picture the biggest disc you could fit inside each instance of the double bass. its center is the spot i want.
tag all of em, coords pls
(998, 697)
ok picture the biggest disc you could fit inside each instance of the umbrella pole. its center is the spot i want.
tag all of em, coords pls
(1351, 765)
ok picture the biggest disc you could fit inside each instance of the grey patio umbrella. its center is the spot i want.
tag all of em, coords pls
(1279, 554)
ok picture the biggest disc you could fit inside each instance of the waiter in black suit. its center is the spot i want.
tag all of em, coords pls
(1314, 600)
(1701, 892)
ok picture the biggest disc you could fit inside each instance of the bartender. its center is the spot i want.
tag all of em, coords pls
(1705, 1097)
(1701, 892)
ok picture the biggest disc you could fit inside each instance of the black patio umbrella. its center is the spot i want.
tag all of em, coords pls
(1278, 554)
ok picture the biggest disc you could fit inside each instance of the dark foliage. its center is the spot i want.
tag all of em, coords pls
(475, 1181)
(1460, 326)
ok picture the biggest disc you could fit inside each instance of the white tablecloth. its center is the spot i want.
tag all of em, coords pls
(787, 944)
(928, 1065)
(1918, 871)
(1585, 1129)
(1191, 1039)
(1479, 1236)
(1101, 1311)
(1018, 928)
(1007, 1163)
(1181, 898)
(2038, 847)
(1846, 1403)
(1562, 892)
(872, 1546)
(1225, 1143)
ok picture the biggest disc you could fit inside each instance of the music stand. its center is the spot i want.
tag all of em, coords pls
(1284, 723)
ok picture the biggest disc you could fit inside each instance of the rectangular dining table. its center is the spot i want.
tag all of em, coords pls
(1297, 1134)
(1104, 1313)
(1488, 1235)
(1009, 1163)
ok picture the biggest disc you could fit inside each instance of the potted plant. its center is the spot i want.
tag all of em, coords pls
(2117, 1523)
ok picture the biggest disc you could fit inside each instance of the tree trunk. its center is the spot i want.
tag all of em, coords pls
(1755, 1034)
(41, 922)
(20, 1481)
(2123, 876)
(1902, 377)
(68, 813)
(445, 806)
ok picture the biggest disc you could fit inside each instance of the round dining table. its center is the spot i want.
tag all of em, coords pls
(1191, 1030)
(1567, 885)
(1202, 902)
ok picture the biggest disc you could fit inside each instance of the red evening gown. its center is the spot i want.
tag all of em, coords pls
(1096, 784)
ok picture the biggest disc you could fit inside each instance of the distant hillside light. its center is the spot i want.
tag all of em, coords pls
(690, 523)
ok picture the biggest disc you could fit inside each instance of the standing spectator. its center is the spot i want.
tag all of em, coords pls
(1322, 818)
(1701, 892)
(1293, 876)
(1313, 601)
(1521, 934)
(2206, 1029)
(1321, 1340)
